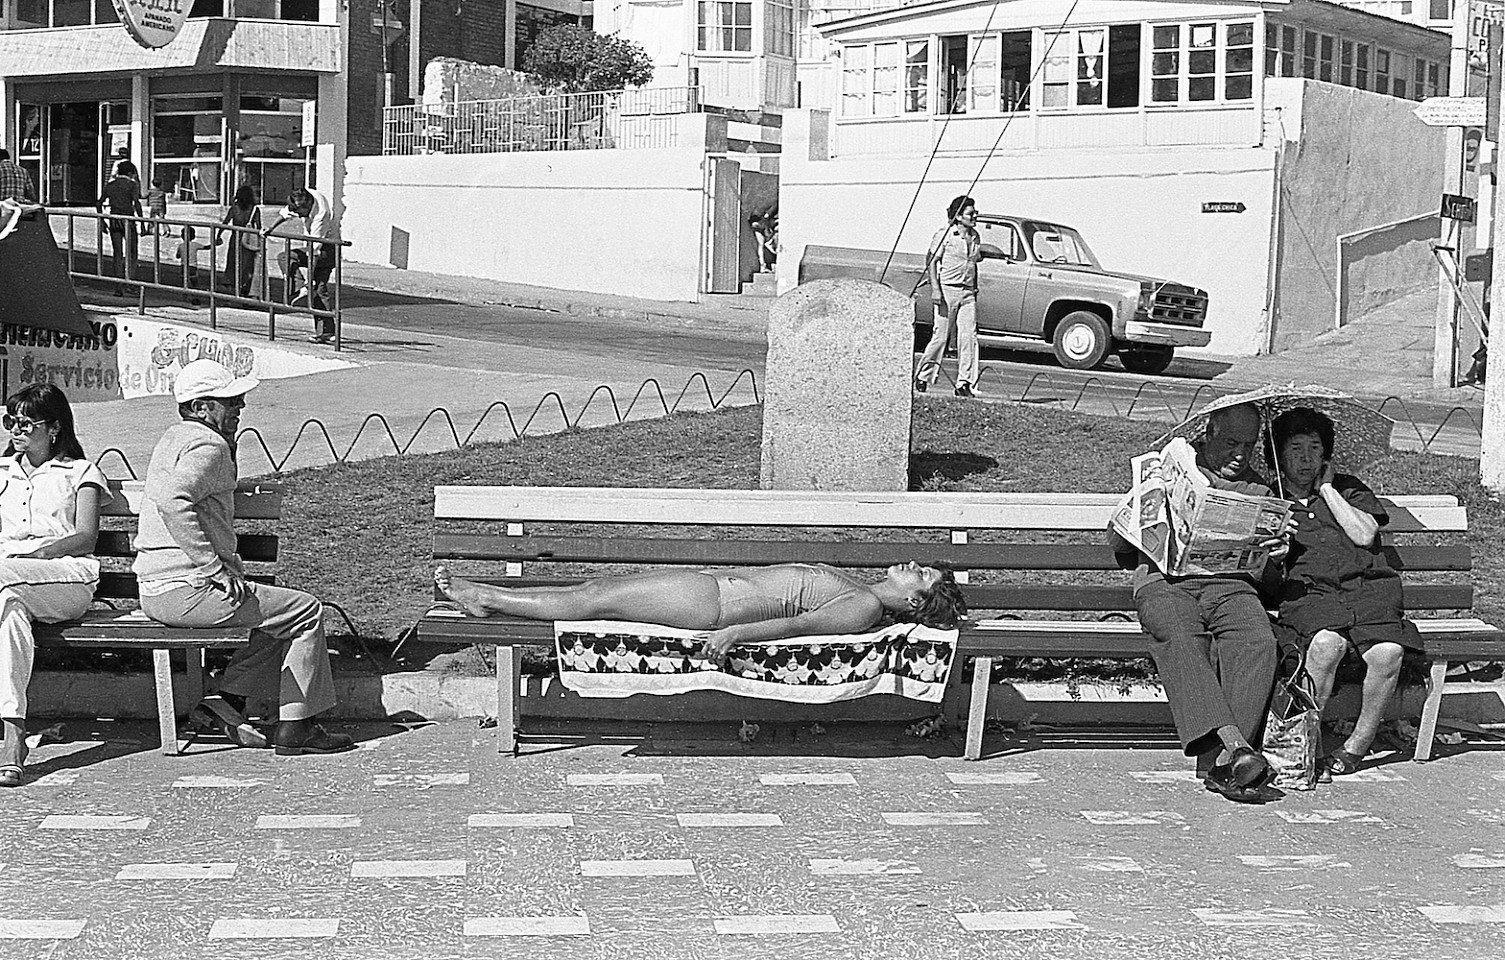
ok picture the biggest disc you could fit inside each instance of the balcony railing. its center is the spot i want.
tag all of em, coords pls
(609, 119)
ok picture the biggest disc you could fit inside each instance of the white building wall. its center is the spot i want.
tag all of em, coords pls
(605, 221)
(1141, 211)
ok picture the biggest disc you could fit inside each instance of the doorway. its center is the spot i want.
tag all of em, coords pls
(81, 143)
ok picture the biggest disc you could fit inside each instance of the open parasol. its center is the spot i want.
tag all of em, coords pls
(1362, 435)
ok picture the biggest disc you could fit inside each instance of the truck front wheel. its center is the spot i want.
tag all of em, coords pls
(1081, 340)
(1146, 361)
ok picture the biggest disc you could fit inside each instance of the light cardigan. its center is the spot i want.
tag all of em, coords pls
(187, 529)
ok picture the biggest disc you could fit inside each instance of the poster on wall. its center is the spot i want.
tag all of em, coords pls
(125, 358)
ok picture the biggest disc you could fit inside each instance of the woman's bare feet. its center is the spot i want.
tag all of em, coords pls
(462, 592)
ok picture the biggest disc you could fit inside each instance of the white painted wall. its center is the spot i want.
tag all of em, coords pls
(605, 221)
(1141, 211)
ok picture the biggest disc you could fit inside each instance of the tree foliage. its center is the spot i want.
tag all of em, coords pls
(571, 59)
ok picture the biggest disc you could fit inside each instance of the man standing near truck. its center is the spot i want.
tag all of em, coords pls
(951, 268)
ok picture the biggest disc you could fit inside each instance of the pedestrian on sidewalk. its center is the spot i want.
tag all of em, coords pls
(122, 194)
(315, 256)
(191, 576)
(15, 182)
(951, 268)
(244, 246)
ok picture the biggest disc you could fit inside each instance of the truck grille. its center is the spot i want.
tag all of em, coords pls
(1182, 305)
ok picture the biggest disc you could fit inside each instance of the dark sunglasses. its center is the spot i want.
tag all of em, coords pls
(27, 425)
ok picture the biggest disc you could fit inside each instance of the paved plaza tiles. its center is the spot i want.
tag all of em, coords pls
(425, 843)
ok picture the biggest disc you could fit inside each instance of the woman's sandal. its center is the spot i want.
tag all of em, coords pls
(1340, 763)
(14, 774)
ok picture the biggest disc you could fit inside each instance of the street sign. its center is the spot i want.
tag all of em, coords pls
(1223, 206)
(153, 23)
(1451, 111)
(1458, 208)
(309, 130)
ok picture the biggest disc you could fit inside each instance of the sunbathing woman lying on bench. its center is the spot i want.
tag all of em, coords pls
(733, 605)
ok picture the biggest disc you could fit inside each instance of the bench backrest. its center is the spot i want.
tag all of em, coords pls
(257, 505)
(1052, 543)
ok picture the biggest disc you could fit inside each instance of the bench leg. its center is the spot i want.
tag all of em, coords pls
(1430, 710)
(509, 668)
(167, 718)
(193, 677)
(977, 714)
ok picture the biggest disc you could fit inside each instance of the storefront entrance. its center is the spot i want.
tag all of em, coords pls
(70, 149)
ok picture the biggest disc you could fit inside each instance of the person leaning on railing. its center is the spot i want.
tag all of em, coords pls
(314, 210)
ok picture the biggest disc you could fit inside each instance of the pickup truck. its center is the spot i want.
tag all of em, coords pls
(1040, 281)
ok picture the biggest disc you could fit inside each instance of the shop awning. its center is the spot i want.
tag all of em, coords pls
(35, 289)
(208, 45)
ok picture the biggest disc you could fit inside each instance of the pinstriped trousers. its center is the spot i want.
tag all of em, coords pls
(1212, 644)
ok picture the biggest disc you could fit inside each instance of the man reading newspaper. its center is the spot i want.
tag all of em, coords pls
(1198, 554)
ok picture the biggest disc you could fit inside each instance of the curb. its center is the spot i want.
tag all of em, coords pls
(436, 697)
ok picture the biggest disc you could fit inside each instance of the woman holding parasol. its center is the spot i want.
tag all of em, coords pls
(1339, 595)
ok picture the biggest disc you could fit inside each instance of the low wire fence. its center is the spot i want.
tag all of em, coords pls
(605, 120)
(183, 257)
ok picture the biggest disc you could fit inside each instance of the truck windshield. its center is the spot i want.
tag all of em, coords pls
(1056, 244)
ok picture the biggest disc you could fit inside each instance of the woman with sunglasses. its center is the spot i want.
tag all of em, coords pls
(49, 519)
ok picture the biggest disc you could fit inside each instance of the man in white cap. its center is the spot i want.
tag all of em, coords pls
(190, 575)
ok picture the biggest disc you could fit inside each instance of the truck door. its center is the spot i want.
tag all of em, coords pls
(1051, 276)
(1001, 278)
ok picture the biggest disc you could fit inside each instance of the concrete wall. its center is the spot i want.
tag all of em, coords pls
(1382, 265)
(1140, 210)
(1352, 160)
(606, 221)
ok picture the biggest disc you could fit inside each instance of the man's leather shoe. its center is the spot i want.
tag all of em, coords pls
(296, 737)
(1242, 778)
(920, 386)
(963, 390)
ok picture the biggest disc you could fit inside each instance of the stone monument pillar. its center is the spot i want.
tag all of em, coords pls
(837, 393)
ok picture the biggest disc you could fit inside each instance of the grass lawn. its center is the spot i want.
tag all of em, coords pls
(360, 534)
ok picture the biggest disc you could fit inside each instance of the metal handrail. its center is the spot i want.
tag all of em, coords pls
(183, 282)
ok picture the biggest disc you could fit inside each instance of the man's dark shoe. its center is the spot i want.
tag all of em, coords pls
(920, 386)
(963, 390)
(297, 737)
(1242, 778)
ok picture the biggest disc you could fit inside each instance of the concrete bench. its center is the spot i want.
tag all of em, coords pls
(117, 623)
(1062, 596)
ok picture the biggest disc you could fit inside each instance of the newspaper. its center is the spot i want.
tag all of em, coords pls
(1174, 516)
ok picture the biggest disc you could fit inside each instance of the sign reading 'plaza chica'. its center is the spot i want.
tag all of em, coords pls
(153, 23)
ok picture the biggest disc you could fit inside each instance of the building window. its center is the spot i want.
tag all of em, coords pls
(724, 26)
(1082, 65)
(1382, 71)
(1055, 74)
(1193, 62)
(1016, 69)
(1089, 68)
(982, 75)
(885, 79)
(1434, 80)
(1309, 55)
(269, 146)
(187, 146)
(1345, 63)
(778, 27)
(855, 79)
(1325, 59)
(1399, 75)
(953, 92)
(1441, 9)
(1124, 43)
(1361, 66)
(916, 76)
(1238, 70)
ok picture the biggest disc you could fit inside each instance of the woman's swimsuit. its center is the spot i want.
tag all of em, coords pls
(754, 594)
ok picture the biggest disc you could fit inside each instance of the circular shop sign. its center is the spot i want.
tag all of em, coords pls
(153, 23)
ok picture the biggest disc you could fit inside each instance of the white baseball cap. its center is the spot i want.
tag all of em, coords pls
(209, 378)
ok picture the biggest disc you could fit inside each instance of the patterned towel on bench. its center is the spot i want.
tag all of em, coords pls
(613, 658)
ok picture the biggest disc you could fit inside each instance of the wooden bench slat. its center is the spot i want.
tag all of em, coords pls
(252, 547)
(1018, 511)
(711, 552)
